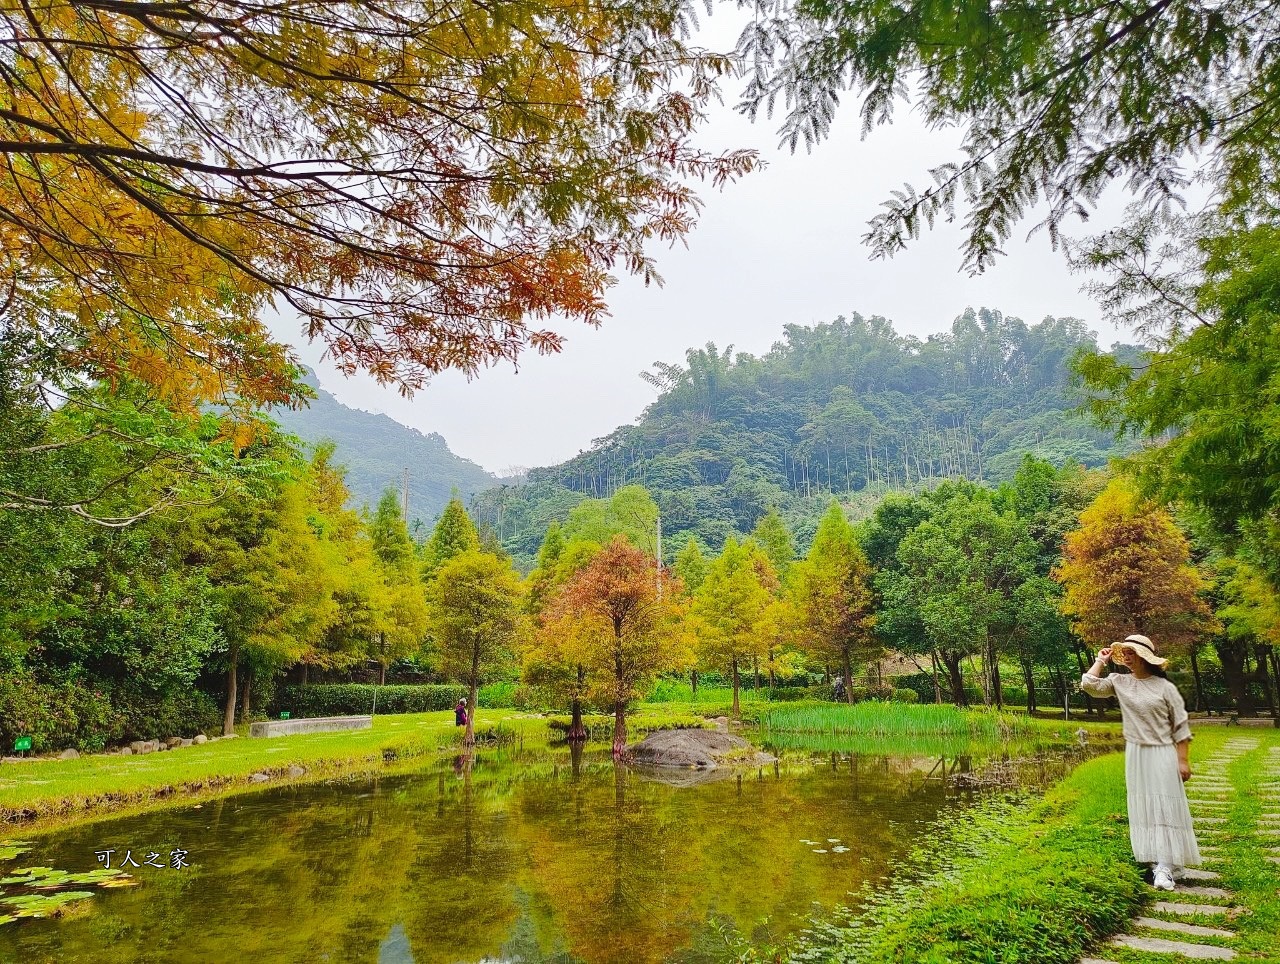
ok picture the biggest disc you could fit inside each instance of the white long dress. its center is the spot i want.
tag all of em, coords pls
(1155, 719)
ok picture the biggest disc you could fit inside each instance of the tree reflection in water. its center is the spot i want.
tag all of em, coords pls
(547, 855)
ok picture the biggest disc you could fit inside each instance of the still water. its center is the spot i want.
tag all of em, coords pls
(520, 855)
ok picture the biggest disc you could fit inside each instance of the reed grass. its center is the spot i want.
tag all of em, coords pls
(893, 719)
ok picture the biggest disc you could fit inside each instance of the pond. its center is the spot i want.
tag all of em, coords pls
(519, 855)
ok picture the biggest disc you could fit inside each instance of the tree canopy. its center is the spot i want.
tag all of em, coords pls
(1057, 100)
(422, 185)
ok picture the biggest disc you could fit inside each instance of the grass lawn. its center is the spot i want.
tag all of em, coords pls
(47, 789)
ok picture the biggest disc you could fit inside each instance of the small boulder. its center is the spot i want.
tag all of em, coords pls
(141, 746)
(69, 754)
(125, 751)
(158, 746)
(173, 741)
(259, 778)
(296, 771)
(199, 738)
(227, 736)
(184, 743)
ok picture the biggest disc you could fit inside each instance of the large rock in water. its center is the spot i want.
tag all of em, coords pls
(698, 749)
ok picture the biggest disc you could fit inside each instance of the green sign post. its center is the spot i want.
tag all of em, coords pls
(284, 714)
(22, 744)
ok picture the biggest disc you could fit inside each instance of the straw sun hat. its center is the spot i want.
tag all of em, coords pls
(1143, 647)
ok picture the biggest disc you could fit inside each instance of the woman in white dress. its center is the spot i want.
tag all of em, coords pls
(1157, 737)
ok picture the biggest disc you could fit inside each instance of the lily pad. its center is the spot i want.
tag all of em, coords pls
(43, 905)
(47, 878)
(14, 848)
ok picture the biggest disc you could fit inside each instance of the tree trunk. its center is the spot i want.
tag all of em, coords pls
(755, 671)
(469, 738)
(1029, 678)
(577, 731)
(737, 711)
(1232, 657)
(993, 665)
(1195, 676)
(693, 679)
(229, 719)
(306, 671)
(244, 696)
(847, 668)
(1089, 705)
(1263, 652)
(619, 729)
(473, 684)
(952, 662)
(937, 686)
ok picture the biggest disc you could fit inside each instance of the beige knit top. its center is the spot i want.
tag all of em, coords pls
(1153, 711)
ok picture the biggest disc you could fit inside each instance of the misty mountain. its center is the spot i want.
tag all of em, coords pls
(376, 449)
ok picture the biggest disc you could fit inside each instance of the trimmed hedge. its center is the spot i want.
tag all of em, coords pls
(348, 699)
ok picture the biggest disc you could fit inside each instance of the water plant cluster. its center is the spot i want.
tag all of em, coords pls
(46, 891)
(893, 719)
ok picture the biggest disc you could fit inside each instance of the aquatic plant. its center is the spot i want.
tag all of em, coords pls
(888, 719)
(25, 897)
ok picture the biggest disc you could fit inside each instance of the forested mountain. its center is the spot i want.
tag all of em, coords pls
(849, 408)
(376, 450)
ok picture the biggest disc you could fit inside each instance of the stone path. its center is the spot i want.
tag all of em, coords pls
(1197, 896)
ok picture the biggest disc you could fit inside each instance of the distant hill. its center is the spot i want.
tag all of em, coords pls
(850, 409)
(376, 449)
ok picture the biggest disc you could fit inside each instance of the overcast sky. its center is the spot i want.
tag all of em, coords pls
(782, 246)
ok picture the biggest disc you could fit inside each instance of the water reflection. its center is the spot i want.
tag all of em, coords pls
(536, 856)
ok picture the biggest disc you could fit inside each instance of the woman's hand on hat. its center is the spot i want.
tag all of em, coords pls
(1104, 654)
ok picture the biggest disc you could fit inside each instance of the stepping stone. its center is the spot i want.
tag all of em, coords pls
(1158, 945)
(1173, 907)
(1094, 960)
(1210, 819)
(1204, 891)
(1192, 930)
(1192, 874)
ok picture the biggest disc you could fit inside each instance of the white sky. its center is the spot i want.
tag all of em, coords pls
(782, 246)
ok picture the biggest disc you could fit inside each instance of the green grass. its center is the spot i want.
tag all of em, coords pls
(45, 790)
(890, 719)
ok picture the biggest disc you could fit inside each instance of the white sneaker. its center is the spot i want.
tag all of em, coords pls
(1163, 880)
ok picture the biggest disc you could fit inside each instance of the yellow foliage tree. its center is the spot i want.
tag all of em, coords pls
(1127, 569)
(417, 182)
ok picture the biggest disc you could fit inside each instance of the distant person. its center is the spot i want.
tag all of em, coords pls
(840, 691)
(1157, 737)
(460, 713)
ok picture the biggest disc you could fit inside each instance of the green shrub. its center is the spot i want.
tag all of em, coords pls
(497, 695)
(904, 695)
(54, 715)
(346, 699)
(149, 716)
